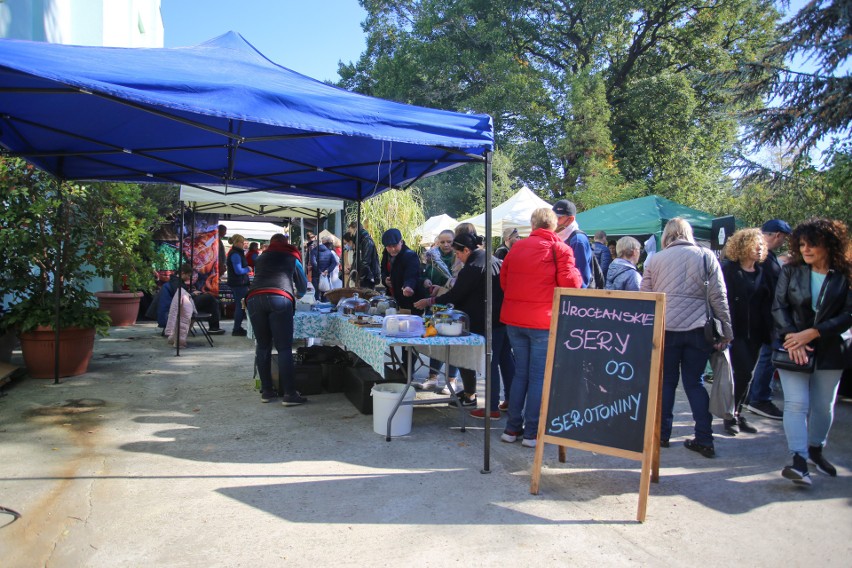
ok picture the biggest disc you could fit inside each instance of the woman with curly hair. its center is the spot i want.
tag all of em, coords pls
(750, 303)
(813, 315)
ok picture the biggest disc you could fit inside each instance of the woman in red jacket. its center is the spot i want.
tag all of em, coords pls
(531, 270)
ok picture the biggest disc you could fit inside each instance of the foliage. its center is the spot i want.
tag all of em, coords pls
(53, 232)
(460, 193)
(807, 105)
(593, 101)
(794, 190)
(123, 219)
(397, 209)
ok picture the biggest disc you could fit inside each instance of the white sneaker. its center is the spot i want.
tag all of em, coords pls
(456, 387)
(528, 443)
(428, 384)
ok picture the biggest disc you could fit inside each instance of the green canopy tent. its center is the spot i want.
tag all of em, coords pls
(643, 216)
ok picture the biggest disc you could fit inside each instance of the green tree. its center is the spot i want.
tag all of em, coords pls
(549, 72)
(395, 209)
(813, 100)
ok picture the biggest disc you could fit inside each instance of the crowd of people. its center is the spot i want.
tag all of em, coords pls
(798, 306)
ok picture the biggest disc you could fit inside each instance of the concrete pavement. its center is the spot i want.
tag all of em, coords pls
(152, 459)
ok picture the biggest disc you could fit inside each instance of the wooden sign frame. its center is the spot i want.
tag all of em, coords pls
(650, 456)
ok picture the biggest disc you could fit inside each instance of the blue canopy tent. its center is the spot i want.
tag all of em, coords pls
(221, 113)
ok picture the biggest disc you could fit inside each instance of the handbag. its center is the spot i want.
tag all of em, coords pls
(713, 326)
(781, 360)
(722, 391)
(324, 285)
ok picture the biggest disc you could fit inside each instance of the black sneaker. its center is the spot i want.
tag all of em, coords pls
(465, 399)
(294, 399)
(823, 466)
(731, 428)
(664, 443)
(767, 409)
(240, 332)
(216, 331)
(706, 451)
(745, 426)
(798, 472)
(268, 396)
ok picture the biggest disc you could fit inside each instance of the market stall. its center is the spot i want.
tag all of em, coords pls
(188, 116)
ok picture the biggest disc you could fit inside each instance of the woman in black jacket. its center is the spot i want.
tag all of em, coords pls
(468, 295)
(813, 315)
(750, 302)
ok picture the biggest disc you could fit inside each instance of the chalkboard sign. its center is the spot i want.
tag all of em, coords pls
(601, 364)
(603, 374)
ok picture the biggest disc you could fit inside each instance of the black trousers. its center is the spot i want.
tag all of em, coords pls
(744, 353)
(210, 304)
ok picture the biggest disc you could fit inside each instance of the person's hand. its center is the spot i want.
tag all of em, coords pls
(407, 292)
(721, 345)
(422, 304)
(388, 282)
(797, 344)
(427, 283)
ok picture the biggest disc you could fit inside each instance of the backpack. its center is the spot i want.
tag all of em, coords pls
(597, 279)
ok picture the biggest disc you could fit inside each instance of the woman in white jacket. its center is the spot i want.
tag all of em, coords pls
(687, 274)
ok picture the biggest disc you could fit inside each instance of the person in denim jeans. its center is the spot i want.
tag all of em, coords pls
(689, 276)
(812, 311)
(279, 280)
(532, 269)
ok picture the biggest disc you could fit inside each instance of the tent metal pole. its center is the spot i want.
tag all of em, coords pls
(302, 241)
(358, 260)
(489, 299)
(57, 283)
(179, 277)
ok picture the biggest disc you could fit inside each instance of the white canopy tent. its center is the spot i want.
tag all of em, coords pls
(433, 226)
(252, 230)
(514, 213)
(246, 204)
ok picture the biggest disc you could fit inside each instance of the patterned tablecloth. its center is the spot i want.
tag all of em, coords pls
(368, 343)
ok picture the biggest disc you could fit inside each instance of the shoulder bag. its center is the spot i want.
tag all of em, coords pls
(713, 326)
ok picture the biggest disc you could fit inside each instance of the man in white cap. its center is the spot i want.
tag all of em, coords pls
(775, 233)
(569, 231)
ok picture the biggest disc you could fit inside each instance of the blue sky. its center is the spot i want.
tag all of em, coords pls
(307, 37)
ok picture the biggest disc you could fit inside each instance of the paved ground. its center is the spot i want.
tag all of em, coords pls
(150, 459)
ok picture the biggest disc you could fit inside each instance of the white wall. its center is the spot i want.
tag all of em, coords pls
(112, 23)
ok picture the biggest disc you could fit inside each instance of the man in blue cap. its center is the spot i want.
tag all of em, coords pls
(775, 233)
(401, 271)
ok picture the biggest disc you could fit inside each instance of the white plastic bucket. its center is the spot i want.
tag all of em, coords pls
(385, 396)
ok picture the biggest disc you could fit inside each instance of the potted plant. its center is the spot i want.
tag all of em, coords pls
(44, 233)
(123, 221)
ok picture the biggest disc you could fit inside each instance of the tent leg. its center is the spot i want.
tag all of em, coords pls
(486, 468)
(57, 290)
(180, 265)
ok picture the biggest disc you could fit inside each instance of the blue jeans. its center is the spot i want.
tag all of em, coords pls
(808, 407)
(239, 293)
(502, 360)
(761, 382)
(530, 348)
(685, 356)
(272, 322)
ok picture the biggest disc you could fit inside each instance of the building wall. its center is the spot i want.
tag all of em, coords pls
(111, 23)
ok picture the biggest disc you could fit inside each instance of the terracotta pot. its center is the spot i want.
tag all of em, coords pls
(123, 307)
(75, 351)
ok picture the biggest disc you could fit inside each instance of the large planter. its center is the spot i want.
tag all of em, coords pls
(123, 307)
(75, 351)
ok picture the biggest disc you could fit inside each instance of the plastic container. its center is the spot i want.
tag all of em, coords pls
(353, 306)
(379, 305)
(403, 326)
(451, 322)
(385, 396)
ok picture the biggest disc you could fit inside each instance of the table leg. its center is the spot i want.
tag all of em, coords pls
(453, 394)
(408, 376)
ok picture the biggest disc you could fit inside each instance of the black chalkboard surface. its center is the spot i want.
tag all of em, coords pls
(600, 373)
(602, 379)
